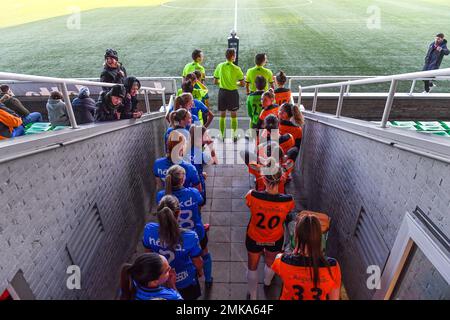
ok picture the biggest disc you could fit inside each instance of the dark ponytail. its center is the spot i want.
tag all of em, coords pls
(187, 86)
(177, 116)
(146, 268)
(169, 230)
(298, 116)
(174, 178)
(178, 102)
(281, 77)
(293, 111)
(182, 100)
(308, 240)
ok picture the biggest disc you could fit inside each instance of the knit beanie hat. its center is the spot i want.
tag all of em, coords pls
(112, 54)
(118, 91)
(84, 93)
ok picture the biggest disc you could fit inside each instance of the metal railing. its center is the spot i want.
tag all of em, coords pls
(349, 78)
(394, 80)
(63, 82)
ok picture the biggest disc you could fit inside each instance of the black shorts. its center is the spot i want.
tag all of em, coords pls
(255, 247)
(204, 241)
(228, 100)
(193, 292)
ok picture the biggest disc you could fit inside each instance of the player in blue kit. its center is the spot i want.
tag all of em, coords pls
(181, 121)
(146, 277)
(198, 108)
(180, 246)
(186, 101)
(175, 153)
(201, 153)
(190, 200)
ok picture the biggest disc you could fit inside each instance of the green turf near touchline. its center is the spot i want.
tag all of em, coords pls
(302, 37)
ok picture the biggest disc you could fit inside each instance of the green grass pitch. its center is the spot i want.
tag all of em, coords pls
(155, 38)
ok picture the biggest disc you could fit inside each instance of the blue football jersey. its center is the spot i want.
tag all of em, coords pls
(160, 293)
(161, 166)
(190, 199)
(199, 107)
(181, 259)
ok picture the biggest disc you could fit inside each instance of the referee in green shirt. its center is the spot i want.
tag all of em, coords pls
(258, 70)
(228, 76)
(195, 65)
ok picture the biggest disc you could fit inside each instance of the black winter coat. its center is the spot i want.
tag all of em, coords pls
(84, 109)
(106, 111)
(130, 103)
(110, 75)
(434, 58)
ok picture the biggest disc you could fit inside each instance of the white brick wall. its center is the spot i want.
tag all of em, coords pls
(340, 172)
(43, 197)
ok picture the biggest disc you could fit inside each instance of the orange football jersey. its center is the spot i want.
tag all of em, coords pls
(298, 281)
(282, 95)
(293, 129)
(273, 109)
(268, 214)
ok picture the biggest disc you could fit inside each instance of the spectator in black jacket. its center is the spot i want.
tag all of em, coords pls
(113, 71)
(435, 54)
(84, 107)
(110, 103)
(130, 103)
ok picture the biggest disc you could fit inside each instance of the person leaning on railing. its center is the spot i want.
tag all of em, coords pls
(11, 102)
(110, 103)
(84, 107)
(129, 110)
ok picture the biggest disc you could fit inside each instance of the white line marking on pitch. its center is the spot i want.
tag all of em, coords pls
(305, 3)
(235, 15)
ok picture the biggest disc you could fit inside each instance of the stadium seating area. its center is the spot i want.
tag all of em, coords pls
(439, 128)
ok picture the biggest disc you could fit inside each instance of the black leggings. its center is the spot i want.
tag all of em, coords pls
(193, 292)
(428, 84)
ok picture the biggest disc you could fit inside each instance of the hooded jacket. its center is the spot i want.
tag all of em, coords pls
(106, 111)
(84, 107)
(112, 75)
(434, 58)
(130, 103)
(57, 113)
(8, 121)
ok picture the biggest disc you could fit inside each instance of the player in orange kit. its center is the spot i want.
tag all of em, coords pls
(282, 94)
(265, 232)
(306, 273)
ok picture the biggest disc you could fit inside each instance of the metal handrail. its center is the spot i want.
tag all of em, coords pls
(380, 79)
(290, 80)
(63, 82)
(394, 80)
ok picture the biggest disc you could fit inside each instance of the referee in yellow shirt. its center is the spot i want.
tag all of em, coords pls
(229, 76)
(258, 70)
